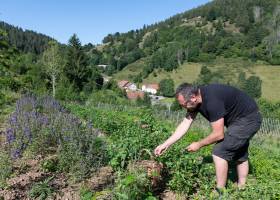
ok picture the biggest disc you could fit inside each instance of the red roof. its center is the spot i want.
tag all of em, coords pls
(135, 94)
(122, 83)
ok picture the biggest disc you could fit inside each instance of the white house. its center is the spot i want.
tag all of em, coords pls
(150, 88)
(131, 86)
(103, 66)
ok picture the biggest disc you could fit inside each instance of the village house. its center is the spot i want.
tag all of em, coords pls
(126, 85)
(133, 95)
(150, 88)
(102, 66)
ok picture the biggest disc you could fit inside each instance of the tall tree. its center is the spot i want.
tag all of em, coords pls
(53, 63)
(205, 75)
(254, 86)
(166, 87)
(77, 69)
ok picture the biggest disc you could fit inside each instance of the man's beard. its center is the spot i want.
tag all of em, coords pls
(193, 107)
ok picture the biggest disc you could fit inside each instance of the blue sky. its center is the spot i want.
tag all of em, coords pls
(91, 20)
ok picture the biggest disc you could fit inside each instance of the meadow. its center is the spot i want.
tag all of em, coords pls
(94, 152)
(229, 69)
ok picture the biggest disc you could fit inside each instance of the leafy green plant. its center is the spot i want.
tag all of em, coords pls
(85, 193)
(134, 184)
(50, 164)
(5, 167)
(41, 190)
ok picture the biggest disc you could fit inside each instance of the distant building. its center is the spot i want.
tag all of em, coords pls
(122, 84)
(126, 85)
(103, 66)
(133, 95)
(150, 88)
(131, 86)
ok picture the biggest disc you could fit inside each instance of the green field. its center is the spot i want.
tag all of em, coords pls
(270, 75)
(188, 72)
(130, 70)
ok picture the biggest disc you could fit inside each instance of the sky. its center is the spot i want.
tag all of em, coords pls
(91, 20)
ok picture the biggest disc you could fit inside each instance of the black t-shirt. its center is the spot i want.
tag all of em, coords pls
(225, 101)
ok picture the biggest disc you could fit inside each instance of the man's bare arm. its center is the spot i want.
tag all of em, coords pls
(216, 135)
(181, 129)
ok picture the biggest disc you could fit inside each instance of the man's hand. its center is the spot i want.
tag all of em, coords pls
(160, 149)
(193, 147)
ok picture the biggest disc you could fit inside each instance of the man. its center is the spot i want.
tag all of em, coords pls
(221, 105)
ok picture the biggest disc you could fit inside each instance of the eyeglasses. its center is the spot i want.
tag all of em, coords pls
(186, 103)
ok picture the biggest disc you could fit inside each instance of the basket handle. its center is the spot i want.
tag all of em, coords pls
(152, 157)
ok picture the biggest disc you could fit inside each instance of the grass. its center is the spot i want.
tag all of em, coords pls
(230, 68)
(271, 82)
(188, 72)
(167, 100)
(130, 71)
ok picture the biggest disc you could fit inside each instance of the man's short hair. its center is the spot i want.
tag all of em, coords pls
(187, 90)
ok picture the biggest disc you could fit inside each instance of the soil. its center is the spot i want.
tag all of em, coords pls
(28, 171)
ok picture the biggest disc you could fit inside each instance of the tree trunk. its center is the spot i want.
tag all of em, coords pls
(187, 54)
(53, 85)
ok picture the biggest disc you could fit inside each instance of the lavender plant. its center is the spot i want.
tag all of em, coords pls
(41, 125)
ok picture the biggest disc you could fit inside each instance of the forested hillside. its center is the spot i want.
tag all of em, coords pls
(27, 41)
(221, 28)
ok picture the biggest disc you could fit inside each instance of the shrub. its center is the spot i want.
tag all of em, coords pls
(134, 184)
(5, 167)
(41, 190)
(42, 126)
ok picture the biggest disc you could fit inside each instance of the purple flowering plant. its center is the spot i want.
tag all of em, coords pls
(40, 124)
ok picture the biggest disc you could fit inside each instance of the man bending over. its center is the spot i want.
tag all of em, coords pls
(221, 105)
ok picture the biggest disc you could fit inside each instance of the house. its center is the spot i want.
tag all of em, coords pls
(126, 85)
(150, 88)
(133, 95)
(103, 66)
(122, 84)
(131, 86)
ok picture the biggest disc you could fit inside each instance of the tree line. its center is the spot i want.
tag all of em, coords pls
(169, 43)
(64, 71)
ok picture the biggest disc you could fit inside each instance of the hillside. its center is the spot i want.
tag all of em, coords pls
(227, 29)
(229, 69)
(27, 41)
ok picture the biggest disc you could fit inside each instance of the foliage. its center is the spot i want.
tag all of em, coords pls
(269, 109)
(166, 87)
(26, 41)
(5, 167)
(41, 190)
(53, 63)
(146, 101)
(133, 184)
(76, 69)
(85, 193)
(115, 96)
(253, 86)
(198, 35)
(175, 106)
(40, 125)
(189, 173)
(205, 75)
